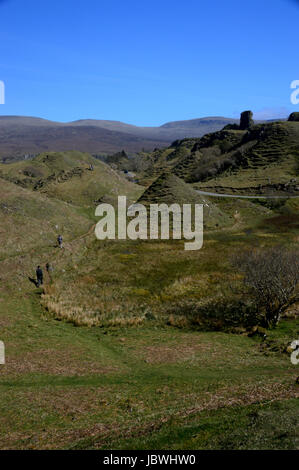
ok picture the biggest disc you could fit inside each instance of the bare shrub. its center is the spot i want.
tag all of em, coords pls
(221, 313)
(271, 278)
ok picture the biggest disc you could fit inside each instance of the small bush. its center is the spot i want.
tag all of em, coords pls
(270, 281)
(213, 314)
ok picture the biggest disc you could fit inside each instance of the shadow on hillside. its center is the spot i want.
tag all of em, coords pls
(34, 281)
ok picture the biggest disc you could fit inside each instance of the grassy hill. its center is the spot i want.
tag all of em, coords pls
(264, 158)
(67, 176)
(29, 218)
(170, 189)
(150, 165)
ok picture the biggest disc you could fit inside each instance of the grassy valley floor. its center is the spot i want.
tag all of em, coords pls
(145, 384)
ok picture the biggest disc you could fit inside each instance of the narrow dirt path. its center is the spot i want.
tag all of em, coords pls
(237, 196)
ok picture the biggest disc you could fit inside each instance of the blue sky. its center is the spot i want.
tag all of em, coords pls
(147, 62)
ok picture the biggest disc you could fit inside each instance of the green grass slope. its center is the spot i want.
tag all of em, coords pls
(31, 220)
(264, 158)
(67, 176)
(168, 189)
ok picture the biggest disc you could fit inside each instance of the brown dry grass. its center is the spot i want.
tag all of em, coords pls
(61, 362)
(175, 354)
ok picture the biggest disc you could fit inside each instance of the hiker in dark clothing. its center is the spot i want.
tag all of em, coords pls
(59, 239)
(39, 276)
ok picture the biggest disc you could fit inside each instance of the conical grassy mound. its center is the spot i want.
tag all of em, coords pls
(169, 189)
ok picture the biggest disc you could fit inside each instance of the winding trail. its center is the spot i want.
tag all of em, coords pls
(237, 196)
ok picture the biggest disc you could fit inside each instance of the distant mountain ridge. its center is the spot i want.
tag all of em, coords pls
(195, 123)
(20, 135)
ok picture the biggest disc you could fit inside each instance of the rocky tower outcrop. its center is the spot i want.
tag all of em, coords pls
(294, 117)
(246, 120)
